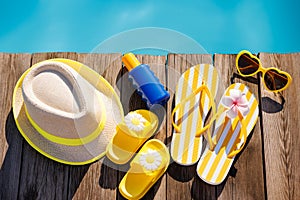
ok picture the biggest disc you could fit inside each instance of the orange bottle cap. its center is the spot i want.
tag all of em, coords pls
(130, 61)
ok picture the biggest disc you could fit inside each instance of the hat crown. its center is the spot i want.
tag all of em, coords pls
(62, 95)
(61, 102)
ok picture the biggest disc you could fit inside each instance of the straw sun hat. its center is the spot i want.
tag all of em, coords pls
(66, 111)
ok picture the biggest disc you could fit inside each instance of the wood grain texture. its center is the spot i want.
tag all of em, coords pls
(45, 177)
(11, 68)
(132, 101)
(100, 181)
(281, 130)
(40, 176)
(180, 183)
(247, 168)
(273, 148)
(157, 65)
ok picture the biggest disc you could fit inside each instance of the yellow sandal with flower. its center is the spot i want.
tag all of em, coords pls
(131, 134)
(150, 163)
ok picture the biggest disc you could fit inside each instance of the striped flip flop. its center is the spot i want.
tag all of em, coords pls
(235, 118)
(192, 105)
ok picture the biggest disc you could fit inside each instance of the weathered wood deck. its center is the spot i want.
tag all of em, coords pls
(268, 167)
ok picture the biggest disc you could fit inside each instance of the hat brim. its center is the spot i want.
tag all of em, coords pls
(73, 155)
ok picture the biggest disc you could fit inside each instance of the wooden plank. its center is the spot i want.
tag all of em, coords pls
(281, 130)
(11, 68)
(100, 181)
(180, 184)
(248, 182)
(132, 101)
(157, 65)
(78, 182)
(40, 176)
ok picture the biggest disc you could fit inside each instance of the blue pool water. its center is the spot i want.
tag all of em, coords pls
(219, 26)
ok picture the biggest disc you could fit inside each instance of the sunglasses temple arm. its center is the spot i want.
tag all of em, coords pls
(247, 67)
(249, 59)
(274, 83)
(278, 75)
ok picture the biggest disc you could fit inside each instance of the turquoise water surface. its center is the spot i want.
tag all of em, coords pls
(220, 26)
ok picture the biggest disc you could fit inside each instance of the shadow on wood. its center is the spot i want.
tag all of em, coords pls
(131, 100)
(122, 171)
(149, 195)
(76, 174)
(108, 170)
(203, 190)
(247, 79)
(10, 170)
(181, 173)
(269, 105)
(32, 174)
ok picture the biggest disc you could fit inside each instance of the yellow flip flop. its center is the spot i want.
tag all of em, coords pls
(146, 168)
(137, 127)
(236, 116)
(195, 90)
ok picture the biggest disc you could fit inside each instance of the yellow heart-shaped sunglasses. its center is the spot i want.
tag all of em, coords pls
(274, 79)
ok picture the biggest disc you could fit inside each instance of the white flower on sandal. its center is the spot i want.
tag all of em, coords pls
(135, 121)
(236, 102)
(151, 160)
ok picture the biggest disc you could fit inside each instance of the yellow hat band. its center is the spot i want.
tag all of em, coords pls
(69, 141)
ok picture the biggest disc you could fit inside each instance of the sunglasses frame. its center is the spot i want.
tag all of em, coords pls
(263, 70)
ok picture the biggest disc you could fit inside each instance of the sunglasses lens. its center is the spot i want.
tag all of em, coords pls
(275, 80)
(247, 65)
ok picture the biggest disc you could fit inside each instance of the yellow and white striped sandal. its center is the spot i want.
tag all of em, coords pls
(192, 105)
(235, 118)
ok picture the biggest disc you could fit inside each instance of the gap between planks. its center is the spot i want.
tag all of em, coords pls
(261, 126)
